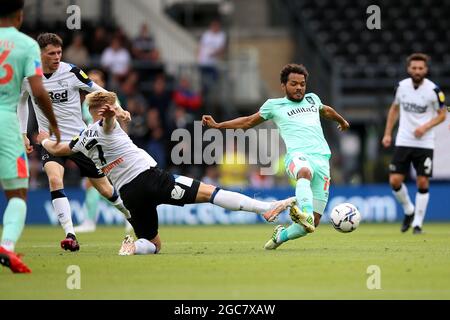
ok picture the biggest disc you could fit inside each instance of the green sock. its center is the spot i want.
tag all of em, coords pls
(294, 231)
(92, 199)
(304, 196)
(13, 222)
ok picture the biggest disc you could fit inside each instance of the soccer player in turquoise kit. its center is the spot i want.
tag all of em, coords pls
(297, 116)
(19, 59)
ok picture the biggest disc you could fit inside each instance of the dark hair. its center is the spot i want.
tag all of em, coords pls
(44, 39)
(292, 68)
(8, 7)
(417, 57)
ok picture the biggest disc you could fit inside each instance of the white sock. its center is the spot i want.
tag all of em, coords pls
(62, 209)
(121, 207)
(235, 201)
(403, 197)
(143, 246)
(421, 208)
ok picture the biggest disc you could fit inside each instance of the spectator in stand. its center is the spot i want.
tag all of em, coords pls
(184, 97)
(116, 59)
(99, 42)
(129, 90)
(211, 175)
(160, 99)
(144, 47)
(137, 128)
(77, 53)
(259, 181)
(211, 50)
(156, 146)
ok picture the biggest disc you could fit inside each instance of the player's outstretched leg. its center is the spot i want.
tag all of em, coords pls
(235, 201)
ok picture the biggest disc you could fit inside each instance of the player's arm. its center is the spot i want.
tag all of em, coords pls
(439, 104)
(238, 123)
(441, 115)
(108, 113)
(392, 118)
(44, 102)
(56, 149)
(329, 113)
(22, 113)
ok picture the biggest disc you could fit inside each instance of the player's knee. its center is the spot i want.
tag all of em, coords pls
(205, 192)
(304, 173)
(55, 182)
(423, 183)
(395, 182)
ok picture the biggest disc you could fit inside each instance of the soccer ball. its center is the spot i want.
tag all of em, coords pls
(345, 217)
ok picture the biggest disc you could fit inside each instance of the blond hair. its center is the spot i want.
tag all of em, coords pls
(98, 99)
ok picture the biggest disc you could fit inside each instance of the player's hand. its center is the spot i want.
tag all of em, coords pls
(107, 111)
(420, 131)
(41, 136)
(124, 116)
(387, 140)
(344, 126)
(209, 121)
(28, 147)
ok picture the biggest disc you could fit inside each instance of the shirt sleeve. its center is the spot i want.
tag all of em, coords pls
(439, 99)
(82, 80)
(266, 110)
(33, 66)
(317, 100)
(75, 144)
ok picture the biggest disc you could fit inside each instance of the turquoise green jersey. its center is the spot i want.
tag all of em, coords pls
(19, 58)
(299, 124)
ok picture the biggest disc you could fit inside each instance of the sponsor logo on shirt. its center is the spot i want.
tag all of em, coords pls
(58, 96)
(412, 107)
(302, 110)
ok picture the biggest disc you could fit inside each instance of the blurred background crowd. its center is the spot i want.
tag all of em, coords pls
(170, 61)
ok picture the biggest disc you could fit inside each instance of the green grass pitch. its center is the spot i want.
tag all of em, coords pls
(229, 262)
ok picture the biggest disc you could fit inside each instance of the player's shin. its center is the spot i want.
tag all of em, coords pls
(294, 231)
(62, 208)
(235, 201)
(422, 197)
(403, 198)
(118, 204)
(304, 196)
(13, 222)
(92, 200)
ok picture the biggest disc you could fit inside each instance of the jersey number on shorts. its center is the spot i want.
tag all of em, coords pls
(427, 165)
(101, 155)
(7, 67)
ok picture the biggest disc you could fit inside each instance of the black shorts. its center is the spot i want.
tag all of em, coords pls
(87, 166)
(151, 188)
(422, 160)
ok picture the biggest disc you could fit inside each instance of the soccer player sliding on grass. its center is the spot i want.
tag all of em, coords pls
(297, 116)
(141, 184)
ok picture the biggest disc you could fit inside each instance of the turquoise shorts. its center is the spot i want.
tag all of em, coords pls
(319, 165)
(13, 159)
